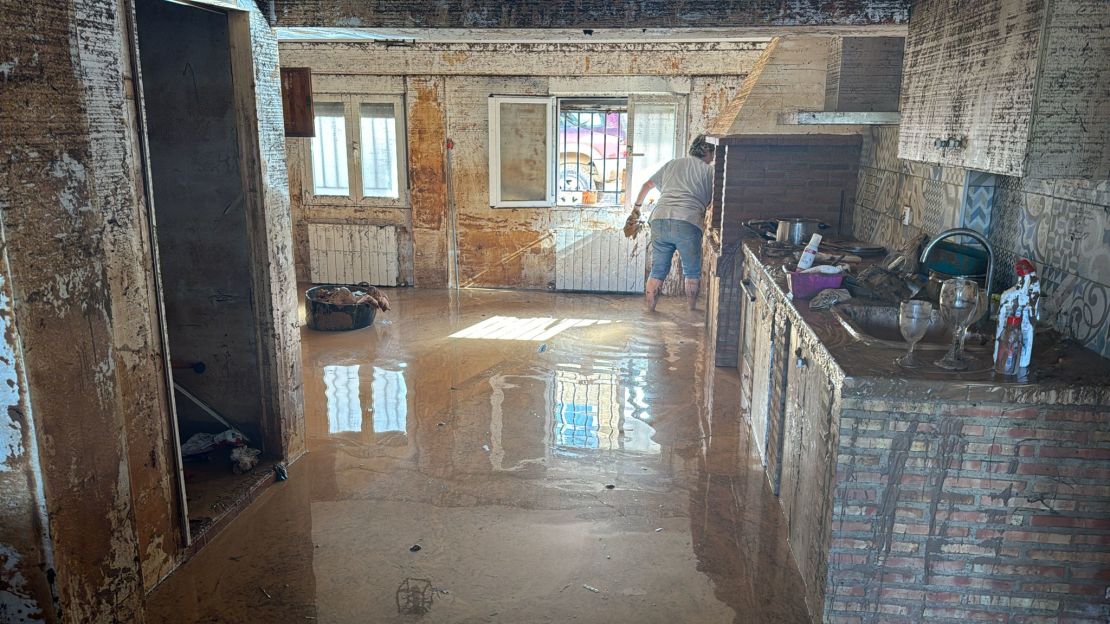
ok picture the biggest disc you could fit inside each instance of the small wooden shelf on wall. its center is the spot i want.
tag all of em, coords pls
(296, 102)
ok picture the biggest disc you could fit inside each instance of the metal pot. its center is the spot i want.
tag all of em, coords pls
(797, 231)
(793, 230)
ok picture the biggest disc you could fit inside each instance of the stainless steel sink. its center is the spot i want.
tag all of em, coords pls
(878, 325)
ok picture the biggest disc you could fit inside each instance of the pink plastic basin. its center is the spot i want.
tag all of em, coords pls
(806, 285)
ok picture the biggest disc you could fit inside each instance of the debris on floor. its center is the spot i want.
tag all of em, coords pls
(414, 548)
(592, 588)
(281, 473)
(244, 459)
(201, 443)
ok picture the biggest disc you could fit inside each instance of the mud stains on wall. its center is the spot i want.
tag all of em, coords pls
(451, 219)
(61, 91)
(427, 145)
(82, 293)
(586, 13)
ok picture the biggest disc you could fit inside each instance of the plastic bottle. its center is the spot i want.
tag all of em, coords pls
(808, 254)
(1008, 348)
(1020, 301)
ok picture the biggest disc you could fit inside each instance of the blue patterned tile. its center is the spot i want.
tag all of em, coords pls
(978, 201)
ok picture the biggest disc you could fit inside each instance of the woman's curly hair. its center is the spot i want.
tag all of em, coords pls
(701, 148)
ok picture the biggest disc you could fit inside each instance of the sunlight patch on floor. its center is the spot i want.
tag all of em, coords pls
(513, 328)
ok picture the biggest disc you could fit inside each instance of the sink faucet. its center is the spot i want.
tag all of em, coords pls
(970, 233)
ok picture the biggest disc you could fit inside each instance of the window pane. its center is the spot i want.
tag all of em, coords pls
(379, 150)
(654, 140)
(592, 151)
(329, 150)
(524, 150)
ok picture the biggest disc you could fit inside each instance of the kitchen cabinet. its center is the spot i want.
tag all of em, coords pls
(867, 449)
(758, 352)
(997, 86)
(808, 459)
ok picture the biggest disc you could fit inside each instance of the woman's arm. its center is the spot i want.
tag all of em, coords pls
(644, 190)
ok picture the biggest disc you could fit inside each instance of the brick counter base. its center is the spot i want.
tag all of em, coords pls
(971, 513)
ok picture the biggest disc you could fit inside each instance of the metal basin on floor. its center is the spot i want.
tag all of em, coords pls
(878, 325)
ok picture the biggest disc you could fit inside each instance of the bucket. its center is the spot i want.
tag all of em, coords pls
(323, 316)
(807, 285)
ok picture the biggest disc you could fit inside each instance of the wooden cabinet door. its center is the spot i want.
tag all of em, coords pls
(808, 467)
(748, 328)
(759, 323)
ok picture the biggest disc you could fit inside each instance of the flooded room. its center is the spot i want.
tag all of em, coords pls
(529, 312)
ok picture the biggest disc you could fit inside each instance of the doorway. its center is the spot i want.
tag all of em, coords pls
(204, 266)
(606, 149)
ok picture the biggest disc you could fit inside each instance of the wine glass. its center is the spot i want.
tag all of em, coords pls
(914, 317)
(959, 301)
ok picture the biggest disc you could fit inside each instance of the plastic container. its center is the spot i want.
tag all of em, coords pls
(1008, 348)
(807, 285)
(336, 317)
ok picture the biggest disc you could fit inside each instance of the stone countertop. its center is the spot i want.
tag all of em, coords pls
(1061, 371)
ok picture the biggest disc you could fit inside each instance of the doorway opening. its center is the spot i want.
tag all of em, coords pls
(202, 232)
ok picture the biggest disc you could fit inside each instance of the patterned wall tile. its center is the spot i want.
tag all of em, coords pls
(1058, 233)
(1063, 226)
(1089, 226)
(975, 213)
(886, 148)
(1090, 191)
(949, 175)
(1078, 308)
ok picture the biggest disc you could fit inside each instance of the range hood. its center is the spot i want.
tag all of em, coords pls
(817, 84)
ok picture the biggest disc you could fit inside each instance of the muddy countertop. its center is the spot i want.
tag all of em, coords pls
(1061, 371)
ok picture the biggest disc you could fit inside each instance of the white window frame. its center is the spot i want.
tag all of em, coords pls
(352, 105)
(495, 200)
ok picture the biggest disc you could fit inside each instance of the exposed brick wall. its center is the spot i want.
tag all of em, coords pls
(586, 13)
(768, 177)
(789, 176)
(971, 512)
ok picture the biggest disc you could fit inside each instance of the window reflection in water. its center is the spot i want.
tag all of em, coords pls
(344, 406)
(391, 408)
(593, 411)
(389, 399)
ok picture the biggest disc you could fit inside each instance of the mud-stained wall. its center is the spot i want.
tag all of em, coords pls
(271, 229)
(61, 86)
(446, 88)
(586, 13)
(86, 476)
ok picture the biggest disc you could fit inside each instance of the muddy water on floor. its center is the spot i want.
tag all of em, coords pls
(487, 428)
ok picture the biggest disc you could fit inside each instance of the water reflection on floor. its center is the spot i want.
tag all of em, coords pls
(554, 457)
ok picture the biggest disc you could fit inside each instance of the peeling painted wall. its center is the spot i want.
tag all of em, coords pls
(446, 90)
(586, 13)
(78, 258)
(59, 197)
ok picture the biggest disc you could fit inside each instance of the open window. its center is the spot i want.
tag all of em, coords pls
(579, 151)
(357, 156)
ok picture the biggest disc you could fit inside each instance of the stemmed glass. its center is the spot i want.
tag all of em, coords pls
(914, 317)
(959, 301)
